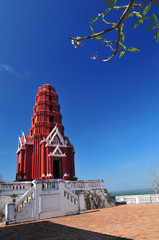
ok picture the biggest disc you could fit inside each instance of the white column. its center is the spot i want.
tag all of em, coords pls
(9, 213)
(82, 208)
(61, 185)
(37, 189)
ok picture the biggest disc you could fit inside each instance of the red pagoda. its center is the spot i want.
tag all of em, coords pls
(46, 153)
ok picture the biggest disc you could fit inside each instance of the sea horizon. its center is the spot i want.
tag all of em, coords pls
(132, 192)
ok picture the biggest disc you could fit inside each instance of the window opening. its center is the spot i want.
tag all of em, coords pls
(18, 167)
(50, 107)
(51, 118)
(51, 129)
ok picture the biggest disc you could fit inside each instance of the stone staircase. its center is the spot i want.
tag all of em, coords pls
(41, 199)
(45, 199)
(24, 206)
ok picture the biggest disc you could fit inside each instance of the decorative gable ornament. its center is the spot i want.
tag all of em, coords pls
(56, 141)
(57, 153)
(55, 138)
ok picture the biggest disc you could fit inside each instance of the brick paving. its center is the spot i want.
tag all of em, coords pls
(137, 222)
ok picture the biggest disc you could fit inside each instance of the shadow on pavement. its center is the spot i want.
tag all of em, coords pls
(92, 211)
(46, 230)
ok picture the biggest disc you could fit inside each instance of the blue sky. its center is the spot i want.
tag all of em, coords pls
(110, 110)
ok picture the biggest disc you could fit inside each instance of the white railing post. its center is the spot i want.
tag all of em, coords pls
(9, 213)
(37, 192)
(82, 208)
(137, 200)
(61, 185)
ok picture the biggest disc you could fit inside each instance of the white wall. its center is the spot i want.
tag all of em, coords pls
(138, 199)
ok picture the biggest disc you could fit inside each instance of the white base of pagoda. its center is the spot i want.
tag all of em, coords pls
(45, 198)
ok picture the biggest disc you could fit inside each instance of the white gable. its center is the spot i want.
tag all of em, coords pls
(23, 135)
(20, 143)
(57, 152)
(51, 133)
(55, 138)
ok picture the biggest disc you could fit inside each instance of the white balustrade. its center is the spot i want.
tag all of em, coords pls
(49, 185)
(24, 199)
(138, 199)
(85, 185)
(14, 188)
(70, 196)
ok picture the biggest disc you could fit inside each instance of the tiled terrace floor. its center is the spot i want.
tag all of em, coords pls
(123, 222)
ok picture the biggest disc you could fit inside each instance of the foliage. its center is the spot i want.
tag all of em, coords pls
(1, 211)
(154, 178)
(34, 136)
(138, 10)
(1, 178)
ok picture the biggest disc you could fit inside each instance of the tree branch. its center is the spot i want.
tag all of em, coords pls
(131, 9)
(109, 29)
(155, 1)
(116, 50)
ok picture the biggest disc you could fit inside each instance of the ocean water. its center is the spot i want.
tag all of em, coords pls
(132, 192)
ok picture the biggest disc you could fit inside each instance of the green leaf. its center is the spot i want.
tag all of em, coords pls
(157, 36)
(147, 8)
(93, 20)
(122, 36)
(122, 54)
(103, 41)
(122, 44)
(132, 49)
(155, 19)
(128, 15)
(113, 25)
(122, 26)
(108, 3)
(138, 15)
(151, 27)
(114, 2)
(147, 17)
(137, 23)
(132, 9)
(99, 37)
(106, 11)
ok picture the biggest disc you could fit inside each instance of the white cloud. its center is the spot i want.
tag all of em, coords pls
(11, 70)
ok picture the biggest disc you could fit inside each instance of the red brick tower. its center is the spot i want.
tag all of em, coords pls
(46, 153)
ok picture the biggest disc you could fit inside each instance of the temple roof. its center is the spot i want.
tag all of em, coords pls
(25, 139)
(46, 87)
(28, 138)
